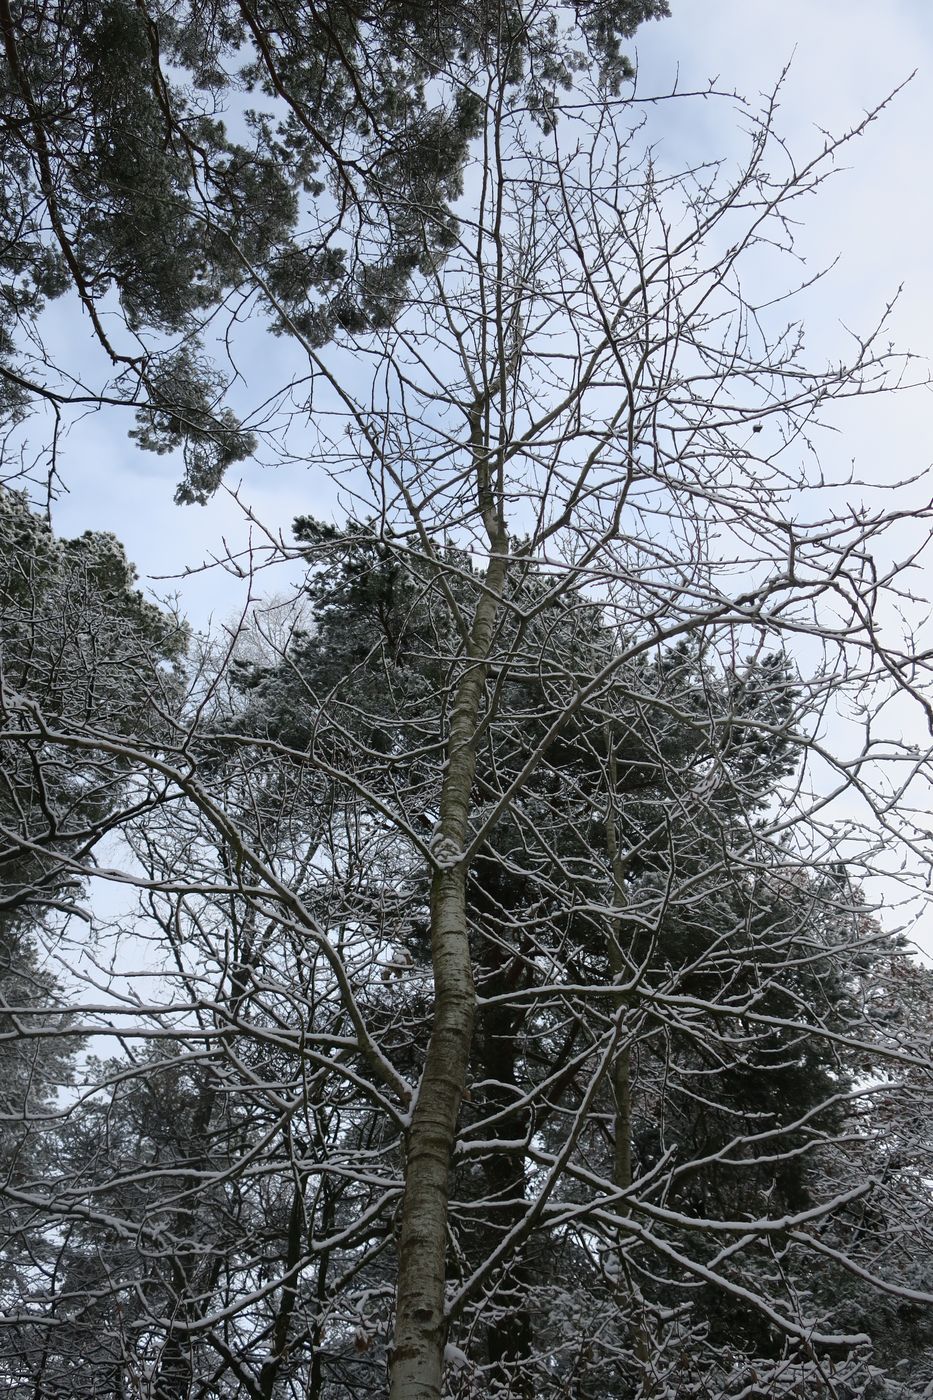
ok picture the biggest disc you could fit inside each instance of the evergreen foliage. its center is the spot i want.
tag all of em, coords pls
(497, 1010)
(730, 1094)
(83, 653)
(172, 155)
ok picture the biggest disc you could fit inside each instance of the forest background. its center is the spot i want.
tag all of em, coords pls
(459, 927)
(842, 59)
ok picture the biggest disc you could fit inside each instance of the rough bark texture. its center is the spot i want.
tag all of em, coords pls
(417, 1359)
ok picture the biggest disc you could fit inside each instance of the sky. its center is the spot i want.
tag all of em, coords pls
(845, 56)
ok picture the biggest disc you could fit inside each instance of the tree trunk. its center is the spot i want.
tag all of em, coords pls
(417, 1358)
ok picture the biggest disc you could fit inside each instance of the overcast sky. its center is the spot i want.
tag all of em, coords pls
(845, 56)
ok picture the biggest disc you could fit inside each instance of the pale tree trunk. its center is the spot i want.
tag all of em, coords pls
(417, 1358)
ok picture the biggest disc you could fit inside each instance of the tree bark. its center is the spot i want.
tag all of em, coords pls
(417, 1358)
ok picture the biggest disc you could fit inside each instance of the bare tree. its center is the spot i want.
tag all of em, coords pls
(515, 995)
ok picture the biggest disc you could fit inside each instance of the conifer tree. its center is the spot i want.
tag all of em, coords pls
(507, 1020)
(180, 157)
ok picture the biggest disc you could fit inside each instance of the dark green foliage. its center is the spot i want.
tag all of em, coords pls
(84, 1304)
(185, 409)
(172, 152)
(697, 754)
(719, 957)
(82, 654)
(81, 651)
(377, 658)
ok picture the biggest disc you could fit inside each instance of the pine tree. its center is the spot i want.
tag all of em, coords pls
(173, 155)
(499, 910)
(82, 654)
(733, 1109)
